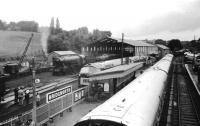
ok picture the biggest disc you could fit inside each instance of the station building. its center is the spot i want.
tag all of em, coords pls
(112, 45)
(142, 48)
(111, 80)
(108, 47)
(107, 82)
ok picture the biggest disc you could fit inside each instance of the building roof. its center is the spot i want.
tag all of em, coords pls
(162, 46)
(135, 42)
(138, 43)
(118, 71)
(62, 53)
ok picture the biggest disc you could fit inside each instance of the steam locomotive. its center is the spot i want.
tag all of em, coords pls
(67, 64)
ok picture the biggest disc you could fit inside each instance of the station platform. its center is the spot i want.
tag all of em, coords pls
(78, 111)
(81, 109)
(193, 77)
(8, 109)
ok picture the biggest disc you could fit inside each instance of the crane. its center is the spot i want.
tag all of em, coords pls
(13, 68)
(25, 50)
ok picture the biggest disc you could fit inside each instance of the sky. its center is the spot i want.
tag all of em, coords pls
(137, 19)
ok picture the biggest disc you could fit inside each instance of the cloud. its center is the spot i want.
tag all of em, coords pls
(186, 20)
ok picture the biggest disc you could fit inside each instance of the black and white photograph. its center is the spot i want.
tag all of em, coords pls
(100, 63)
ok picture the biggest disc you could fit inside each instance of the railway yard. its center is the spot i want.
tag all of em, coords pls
(100, 63)
(182, 102)
(49, 83)
(181, 105)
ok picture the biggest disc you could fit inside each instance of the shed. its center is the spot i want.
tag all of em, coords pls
(142, 48)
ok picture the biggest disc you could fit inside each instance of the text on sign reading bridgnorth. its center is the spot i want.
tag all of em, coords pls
(58, 93)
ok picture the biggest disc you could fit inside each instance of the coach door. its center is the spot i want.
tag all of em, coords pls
(114, 85)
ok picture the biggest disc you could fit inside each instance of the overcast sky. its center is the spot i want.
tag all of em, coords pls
(137, 19)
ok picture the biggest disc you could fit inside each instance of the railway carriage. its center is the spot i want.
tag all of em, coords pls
(138, 104)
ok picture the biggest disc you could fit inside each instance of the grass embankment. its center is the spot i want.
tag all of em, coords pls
(12, 43)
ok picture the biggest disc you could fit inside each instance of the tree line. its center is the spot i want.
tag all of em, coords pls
(30, 26)
(62, 40)
(176, 44)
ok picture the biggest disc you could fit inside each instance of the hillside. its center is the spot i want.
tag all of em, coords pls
(12, 43)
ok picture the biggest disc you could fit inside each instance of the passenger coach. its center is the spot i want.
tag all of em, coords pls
(138, 104)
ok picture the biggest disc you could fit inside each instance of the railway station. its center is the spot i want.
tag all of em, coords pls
(78, 97)
(170, 85)
(111, 70)
(100, 63)
(61, 96)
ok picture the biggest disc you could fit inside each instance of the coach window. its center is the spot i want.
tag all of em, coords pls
(106, 87)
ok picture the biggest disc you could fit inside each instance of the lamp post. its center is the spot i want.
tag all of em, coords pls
(122, 48)
(34, 119)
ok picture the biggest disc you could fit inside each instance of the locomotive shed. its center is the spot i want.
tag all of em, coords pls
(182, 102)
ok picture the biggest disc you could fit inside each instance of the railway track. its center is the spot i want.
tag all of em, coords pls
(183, 100)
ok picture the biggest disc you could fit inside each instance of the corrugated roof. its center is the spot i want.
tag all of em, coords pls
(64, 52)
(134, 42)
(138, 43)
(162, 46)
(119, 68)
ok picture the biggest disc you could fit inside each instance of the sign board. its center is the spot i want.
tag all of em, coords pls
(84, 81)
(79, 94)
(106, 87)
(51, 96)
(37, 81)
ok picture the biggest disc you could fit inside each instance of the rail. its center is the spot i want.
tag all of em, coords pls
(178, 101)
(183, 100)
(188, 114)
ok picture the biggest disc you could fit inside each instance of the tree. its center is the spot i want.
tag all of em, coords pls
(52, 26)
(3, 25)
(97, 34)
(175, 44)
(160, 41)
(12, 26)
(31, 26)
(57, 29)
(57, 24)
(74, 39)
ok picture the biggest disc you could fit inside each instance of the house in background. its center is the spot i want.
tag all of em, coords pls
(163, 50)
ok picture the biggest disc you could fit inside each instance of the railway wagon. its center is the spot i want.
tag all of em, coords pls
(138, 104)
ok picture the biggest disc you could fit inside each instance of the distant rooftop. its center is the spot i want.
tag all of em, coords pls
(134, 42)
(162, 46)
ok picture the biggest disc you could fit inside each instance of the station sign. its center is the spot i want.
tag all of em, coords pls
(79, 94)
(84, 81)
(52, 96)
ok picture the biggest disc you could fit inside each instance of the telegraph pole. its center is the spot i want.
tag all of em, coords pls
(122, 48)
(34, 119)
